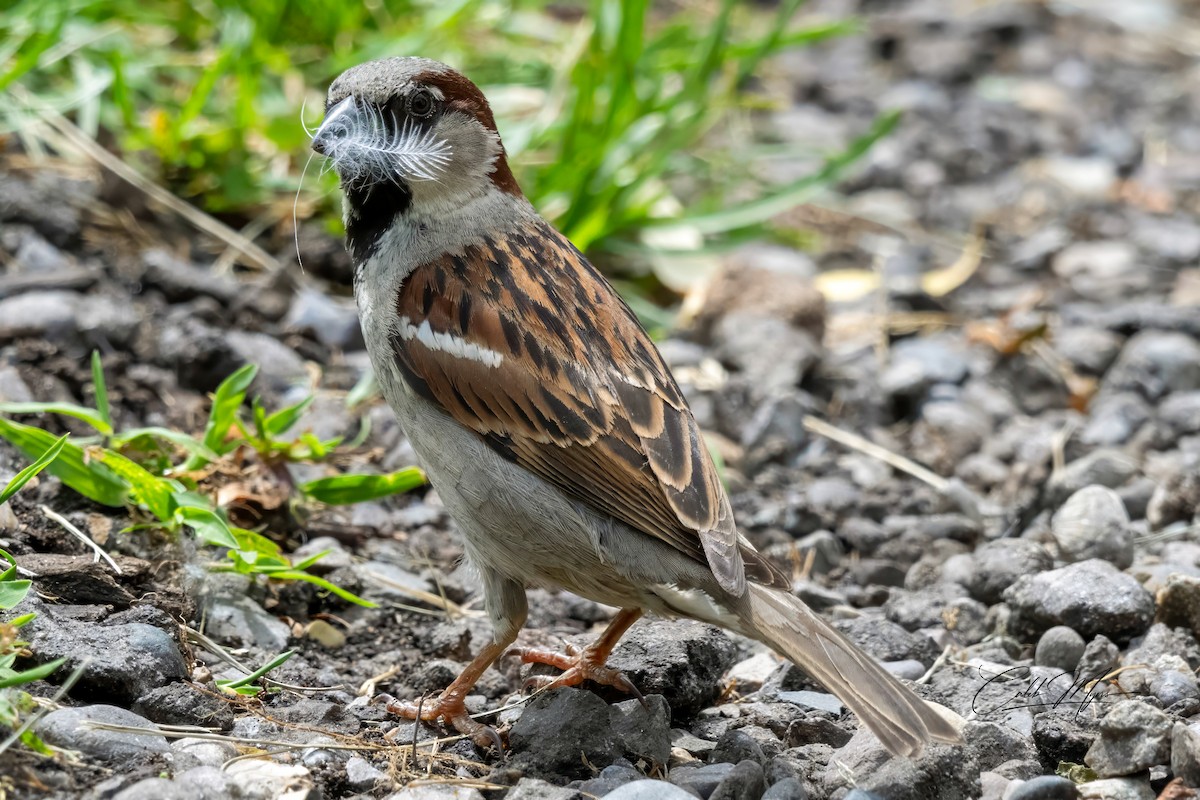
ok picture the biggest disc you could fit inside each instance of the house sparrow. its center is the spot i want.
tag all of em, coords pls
(544, 415)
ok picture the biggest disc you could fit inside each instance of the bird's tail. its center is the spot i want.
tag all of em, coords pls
(903, 722)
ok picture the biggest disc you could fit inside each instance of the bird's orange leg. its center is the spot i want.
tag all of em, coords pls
(450, 706)
(587, 664)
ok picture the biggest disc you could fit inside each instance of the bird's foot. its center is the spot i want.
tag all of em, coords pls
(578, 665)
(451, 708)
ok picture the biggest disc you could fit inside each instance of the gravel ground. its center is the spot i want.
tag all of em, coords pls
(1036, 347)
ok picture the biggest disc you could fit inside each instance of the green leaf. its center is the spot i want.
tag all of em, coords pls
(182, 440)
(32, 674)
(145, 488)
(13, 592)
(207, 524)
(282, 421)
(226, 401)
(346, 489)
(274, 663)
(250, 542)
(296, 575)
(101, 390)
(88, 415)
(26, 475)
(89, 477)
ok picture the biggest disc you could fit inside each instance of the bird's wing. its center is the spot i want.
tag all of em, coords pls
(520, 339)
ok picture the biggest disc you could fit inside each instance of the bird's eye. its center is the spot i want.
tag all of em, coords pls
(420, 104)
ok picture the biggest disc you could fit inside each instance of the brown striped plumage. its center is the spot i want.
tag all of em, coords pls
(582, 397)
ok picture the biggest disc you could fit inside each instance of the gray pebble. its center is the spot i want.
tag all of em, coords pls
(1093, 523)
(1134, 736)
(744, 782)
(1185, 753)
(65, 728)
(1044, 787)
(189, 753)
(649, 790)
(1059, 647)
(1092, 597)
(362, 775)
(158, 789)
(535, 789)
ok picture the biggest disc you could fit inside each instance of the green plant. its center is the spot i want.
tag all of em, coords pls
(13, 703)
(619, 107)
(245, 686)
(137, 468)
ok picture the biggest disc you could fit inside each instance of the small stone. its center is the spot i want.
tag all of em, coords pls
(821, 701)
(362, 775)
(122, 662)
(1116, 789)
(1103, 467)
(1093, 523)
(750, 674)
(158, 789)
(1185, 753)
(701, 780)
(649, 790)
(1134, 736)
(183, 704)
(1156, 363)
(1090, 350)
(1091, 597)
(1099, 658)
(744, 782)
(1175, 499)
(233, 618)
(1171, 686)
(535, 789)
(330, 320)
(560, 725)
(736, 746)
(610, 778)
(786, 789)
(1059, 647)
(1114, 419)
(49, 315)
(1097, 270)
(1180, 412)
(998, 564)
(189, 753)
(684, 661)
(1043, 787)
(64, 728)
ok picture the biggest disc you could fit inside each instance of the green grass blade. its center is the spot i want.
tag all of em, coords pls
(274, 663)
(284, 420)
(32, 674)
(347, 489)
(208, 525)
(89, 415)
(145, 488)
(89, 477)
(101, 390)
(759, 211)
(348, 596)
(26, 475)
(190, 444)
(226, 402)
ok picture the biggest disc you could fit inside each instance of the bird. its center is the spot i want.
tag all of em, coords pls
(542, 412)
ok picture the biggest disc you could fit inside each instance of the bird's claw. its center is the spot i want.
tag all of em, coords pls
(577, 666)
(450, 708)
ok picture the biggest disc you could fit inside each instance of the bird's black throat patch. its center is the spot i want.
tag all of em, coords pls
(373, 209)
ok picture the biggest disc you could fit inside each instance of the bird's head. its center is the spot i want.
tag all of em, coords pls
(414, 134)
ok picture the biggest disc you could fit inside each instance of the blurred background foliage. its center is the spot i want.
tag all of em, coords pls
(612, 110)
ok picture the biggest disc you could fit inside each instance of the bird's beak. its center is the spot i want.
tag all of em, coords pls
(339, 122)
